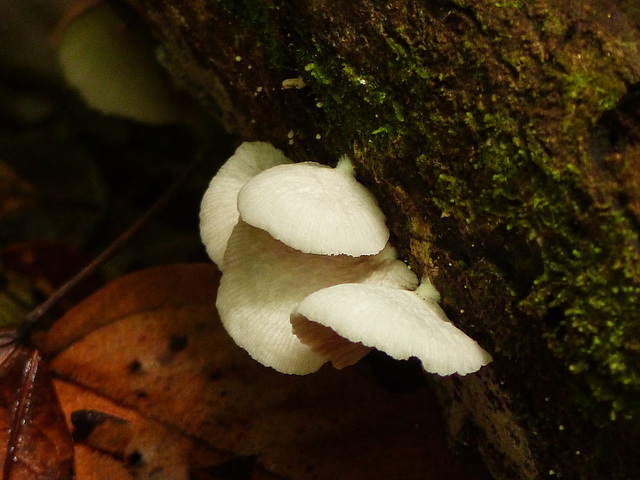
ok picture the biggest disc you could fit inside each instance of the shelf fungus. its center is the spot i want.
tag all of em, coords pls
(315, 209)
(344, 322)
(309, 275)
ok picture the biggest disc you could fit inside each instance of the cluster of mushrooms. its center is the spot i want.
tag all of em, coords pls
(308, 274)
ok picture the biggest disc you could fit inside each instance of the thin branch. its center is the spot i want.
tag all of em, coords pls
(36, 314)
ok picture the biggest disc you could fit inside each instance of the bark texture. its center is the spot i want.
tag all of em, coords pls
(502, 139)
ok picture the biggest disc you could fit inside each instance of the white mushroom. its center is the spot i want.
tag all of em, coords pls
(315, 209)
(264, 280)
(218, 210)
(344, 322)
(309, 275)
(114, 69)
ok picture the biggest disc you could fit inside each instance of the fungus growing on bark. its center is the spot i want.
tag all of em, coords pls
(290, 237)
(344, 322)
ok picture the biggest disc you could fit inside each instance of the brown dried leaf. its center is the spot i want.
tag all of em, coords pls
(152, 342)
(34, 440)
(142, 291)
(127, 445)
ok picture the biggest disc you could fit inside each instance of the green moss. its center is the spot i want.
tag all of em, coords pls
(457, 107)
(259, 17)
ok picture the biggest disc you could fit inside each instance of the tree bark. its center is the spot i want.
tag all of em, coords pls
(502, 139)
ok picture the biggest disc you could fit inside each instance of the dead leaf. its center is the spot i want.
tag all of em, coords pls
(33, 435)
(127, 444)
(102, 431)
(152, 345)
(143, 291)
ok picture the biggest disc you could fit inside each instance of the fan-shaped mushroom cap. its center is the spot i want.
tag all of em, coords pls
(395, 321)
(315, 209)
(218, 210)
(265, 279)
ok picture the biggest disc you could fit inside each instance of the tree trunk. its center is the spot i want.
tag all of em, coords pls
(502, 139)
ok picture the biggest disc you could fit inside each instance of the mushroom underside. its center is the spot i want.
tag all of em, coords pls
(326, 342)
(263, 282)
(395, 321)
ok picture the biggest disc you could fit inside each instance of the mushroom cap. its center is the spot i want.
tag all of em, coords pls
(264, 280)
(315, 209)
(114, 68)
(218, 210)
(395, 321)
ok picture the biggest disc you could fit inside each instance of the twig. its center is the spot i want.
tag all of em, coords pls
(36, 314)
